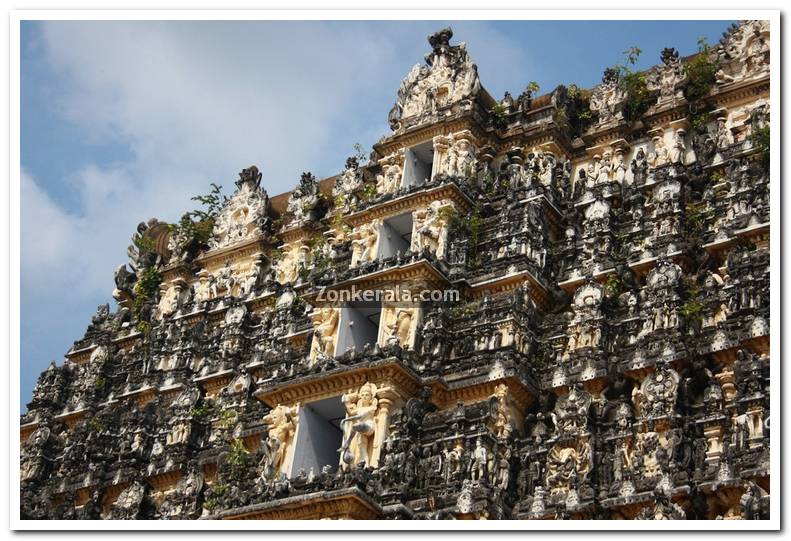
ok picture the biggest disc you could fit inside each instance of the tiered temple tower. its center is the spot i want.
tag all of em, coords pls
(586, 333)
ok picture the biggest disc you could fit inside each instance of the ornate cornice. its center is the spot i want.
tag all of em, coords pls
(345, 504)
(419, 272)
(389, 372)
(409, 202)
(216, 258)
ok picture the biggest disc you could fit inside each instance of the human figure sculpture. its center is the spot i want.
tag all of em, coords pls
(429, 230)
(281, 422)
(480, 459)
(364, 241)
(364, 426)
(325, 334)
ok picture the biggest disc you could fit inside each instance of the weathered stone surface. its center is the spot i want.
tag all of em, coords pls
(607, 355)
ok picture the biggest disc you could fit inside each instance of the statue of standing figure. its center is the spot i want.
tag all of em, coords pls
(364, 426)
(281, 422)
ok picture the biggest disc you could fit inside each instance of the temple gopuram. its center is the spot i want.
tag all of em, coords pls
(553, 306)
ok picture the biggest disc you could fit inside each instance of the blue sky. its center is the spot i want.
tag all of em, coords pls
(123, 121)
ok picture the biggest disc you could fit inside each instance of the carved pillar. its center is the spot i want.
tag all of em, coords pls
(441, 146)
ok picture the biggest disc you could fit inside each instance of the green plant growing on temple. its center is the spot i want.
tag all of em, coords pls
(226, 419)
(369, 191)
(634, 84)
(298, 306)
(692, 310)
(699, 117)
(613, 285)
(198, 225)
(95, 424)
(717, 176)
(99, 383)
(701, 72)
(318, 252)
(697, 215)
(144, 244)
(458, 226)
(237, 457)
(145, 290)
(201, 413)
(210, 504)
(359, 153)
(577, 111)
(499, 115)
(338, 204)
(760, 140)
(217, 490)
(464, 309)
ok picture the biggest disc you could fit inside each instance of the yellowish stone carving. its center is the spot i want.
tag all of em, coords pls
(399, 326)
(365, 425)
(282, 426)
(325, 335)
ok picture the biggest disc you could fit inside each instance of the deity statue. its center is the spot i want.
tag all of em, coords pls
(502, 424)
(389, 180)
(608, 97)
(668, 78)
(678, 152)
(281, 426)
(365, 425)
(724, 139)
(429, 231)
(659, 156)
(365, 240)
(399, 327)
(571, 411)
(325, 335)
(480, 462)
(639, 168)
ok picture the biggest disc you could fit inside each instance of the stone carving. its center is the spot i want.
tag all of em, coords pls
(281, 427)
(365, 425)
(294, 257)
(660, 155)
(325, 335)
(678, 152)
(459, 159)
(245, 214)
(567, 467)
(170, 300)
(348, 184)
(127, 505)
(656, 395)
(303, 204)
(399, 326)
(627, 318)
(389, 180)
(668, 79)
(429, 229)
(744, 52)
(570, 416)
(449, 77)
(607, 98)
(365, 241)
(503, 423)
